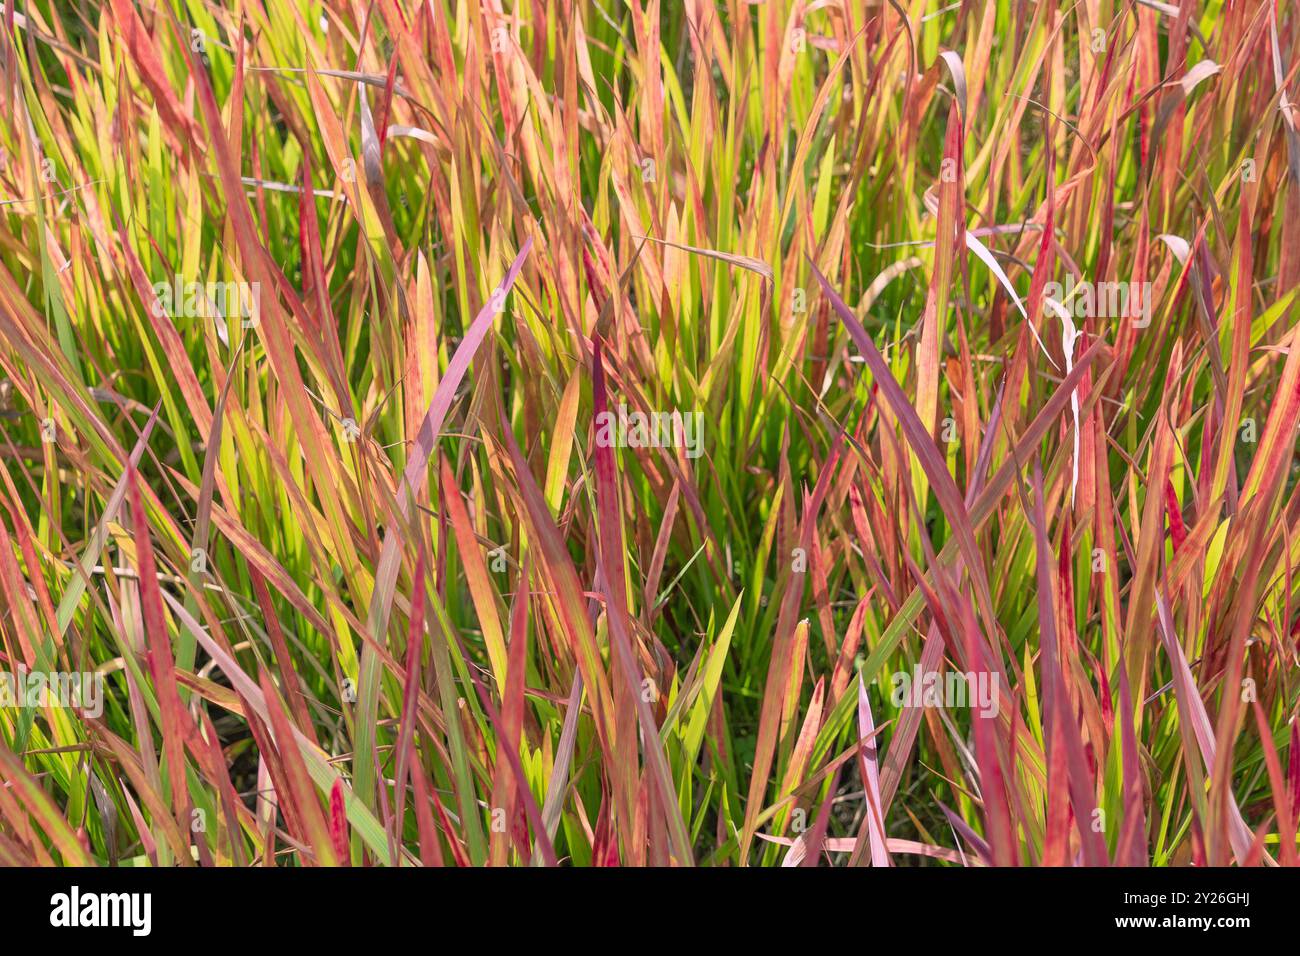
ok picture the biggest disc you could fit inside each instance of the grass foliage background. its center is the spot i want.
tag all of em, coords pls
(365, 589)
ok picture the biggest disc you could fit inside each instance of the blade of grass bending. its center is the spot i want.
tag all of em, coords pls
(980, 512)
(89, 558)
(918, 437)
(390, 558)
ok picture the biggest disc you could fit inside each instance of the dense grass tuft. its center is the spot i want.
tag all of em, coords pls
(600, 432)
